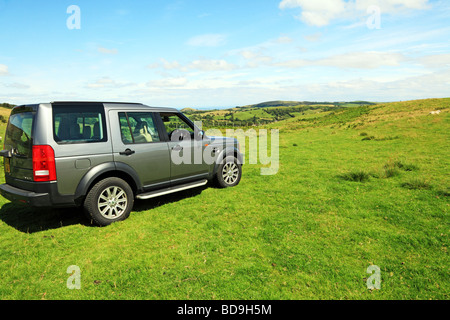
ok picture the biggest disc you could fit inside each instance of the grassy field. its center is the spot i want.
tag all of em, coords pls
(358, 187)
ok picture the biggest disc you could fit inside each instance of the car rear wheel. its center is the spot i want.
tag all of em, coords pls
(110, 200)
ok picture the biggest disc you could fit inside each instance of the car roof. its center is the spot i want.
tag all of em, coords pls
(114, 105)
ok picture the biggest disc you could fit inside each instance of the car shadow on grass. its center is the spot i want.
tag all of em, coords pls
(31, 220)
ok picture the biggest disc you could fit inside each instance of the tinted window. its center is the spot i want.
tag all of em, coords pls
(19, 131)
(79, 124)
(138, 127)
(173, 121)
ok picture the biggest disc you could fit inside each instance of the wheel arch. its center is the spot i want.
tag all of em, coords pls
(106, 170)
(231, 151)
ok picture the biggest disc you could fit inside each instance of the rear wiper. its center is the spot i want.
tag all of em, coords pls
(6, 153)
(20, 155)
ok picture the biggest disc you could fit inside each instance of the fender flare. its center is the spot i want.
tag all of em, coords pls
(229, 151)
(97, 171)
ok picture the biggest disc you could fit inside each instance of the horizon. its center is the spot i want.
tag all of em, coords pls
(205, 108)
(186, 53)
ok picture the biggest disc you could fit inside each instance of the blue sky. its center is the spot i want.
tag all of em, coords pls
(198, 53)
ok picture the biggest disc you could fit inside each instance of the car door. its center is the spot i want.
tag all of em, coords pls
(137, 143)
(186, 152)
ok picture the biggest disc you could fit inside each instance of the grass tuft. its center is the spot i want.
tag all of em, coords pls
(392, 168)
(416, 184)
(406, 166)
(356, 176)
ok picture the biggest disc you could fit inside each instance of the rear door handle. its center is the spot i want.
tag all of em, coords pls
(177, 148)
(127, 152)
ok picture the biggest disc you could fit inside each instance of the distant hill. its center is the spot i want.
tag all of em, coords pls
(280, 103)
(7, 105)
(188, 110)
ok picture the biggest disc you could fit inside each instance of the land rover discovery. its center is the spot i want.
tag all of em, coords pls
(102, 156)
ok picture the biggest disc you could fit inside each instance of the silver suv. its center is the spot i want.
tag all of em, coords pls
(101, 156)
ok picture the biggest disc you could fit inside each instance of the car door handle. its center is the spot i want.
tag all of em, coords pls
(177, 148)
(127, 152)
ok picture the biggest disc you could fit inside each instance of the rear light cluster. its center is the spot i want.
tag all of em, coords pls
(44, 168)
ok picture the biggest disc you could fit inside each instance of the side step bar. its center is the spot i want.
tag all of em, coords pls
(169, 190)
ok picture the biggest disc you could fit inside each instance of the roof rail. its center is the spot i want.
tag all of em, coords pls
(89, 102)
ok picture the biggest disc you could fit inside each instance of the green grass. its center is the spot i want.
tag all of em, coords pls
(357, 176)
(416, 184)
(304, 233)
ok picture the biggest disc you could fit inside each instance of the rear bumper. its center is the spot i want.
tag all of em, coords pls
(26, 197)
(47, 196)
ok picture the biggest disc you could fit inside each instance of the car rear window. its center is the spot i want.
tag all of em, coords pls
(19, 131)
(79, 124)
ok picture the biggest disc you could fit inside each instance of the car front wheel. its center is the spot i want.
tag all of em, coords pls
(229, 172)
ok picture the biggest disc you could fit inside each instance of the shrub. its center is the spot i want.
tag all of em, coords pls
(357, 176)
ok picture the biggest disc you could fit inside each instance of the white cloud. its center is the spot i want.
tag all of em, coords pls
(211, 65)
(321, 12)
(107, 82)
(16, 85)
(283, 39)
(432, 85)
(363, 60)
(166, 65)
(436, 60)
(3, 70)
(355, 60)
(107, 51)
(255, 59)
(207, 40)
(168, 82)
(318, 12)
(390, 6)
(199, 65)
(313, 37)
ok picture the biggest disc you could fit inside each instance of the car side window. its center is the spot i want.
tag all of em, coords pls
(173, 122)
(138, 127)
(79, 124)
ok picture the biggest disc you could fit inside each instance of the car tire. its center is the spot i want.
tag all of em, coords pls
(228, 173)
(109, 201)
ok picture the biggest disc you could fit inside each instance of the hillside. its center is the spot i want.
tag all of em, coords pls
(267, 112)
